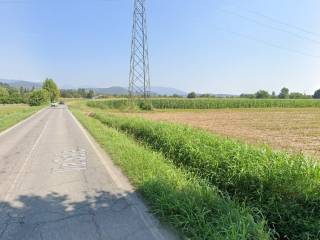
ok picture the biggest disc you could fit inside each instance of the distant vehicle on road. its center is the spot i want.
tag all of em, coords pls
(54, 104)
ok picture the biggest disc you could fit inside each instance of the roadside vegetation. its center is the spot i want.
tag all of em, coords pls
(12, 114)
(33, 97)
(279, 187)
(13, 102)
(10, 95)
(177, 196)
(79, 93)
(283, 188)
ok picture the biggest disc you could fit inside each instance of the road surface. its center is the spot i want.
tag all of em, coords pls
(57, 184)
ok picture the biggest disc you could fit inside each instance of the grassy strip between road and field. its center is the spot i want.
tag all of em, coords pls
(171, 103)
(177, 197)
(284, 188)
(12, 114)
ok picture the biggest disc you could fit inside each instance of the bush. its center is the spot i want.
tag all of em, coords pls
(145, 105)
(284, 188)
(39, 97)
(9, 95)
(4, 94)
(192, 95)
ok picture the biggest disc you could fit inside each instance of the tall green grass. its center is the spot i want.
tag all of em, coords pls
(12, 114)
(197, 210)
(169, 103)
(285, 188)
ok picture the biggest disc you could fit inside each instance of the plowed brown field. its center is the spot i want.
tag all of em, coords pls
(295, 130)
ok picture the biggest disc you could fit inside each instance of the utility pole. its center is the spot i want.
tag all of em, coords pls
(139, 79)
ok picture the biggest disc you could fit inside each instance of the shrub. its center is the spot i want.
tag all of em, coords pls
(192, 95)
(145, 105)
(4, 94)
(39, 97)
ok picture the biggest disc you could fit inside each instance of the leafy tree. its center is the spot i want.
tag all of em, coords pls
(4, 92)
(207, 95)
(52, 89)
(317, 94)
(39, 97)
(82, 92)
(262, 94)
(90, 94)
(176, 96)
(192, 95)
(297, 95)
(284, 93)
(273, 95)
(247, 95)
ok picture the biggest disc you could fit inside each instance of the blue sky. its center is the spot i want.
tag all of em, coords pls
(217, 46)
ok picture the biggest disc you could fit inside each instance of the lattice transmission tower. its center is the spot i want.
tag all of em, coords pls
(139, 79)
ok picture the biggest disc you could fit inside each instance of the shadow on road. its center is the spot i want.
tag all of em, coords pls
(100, 215)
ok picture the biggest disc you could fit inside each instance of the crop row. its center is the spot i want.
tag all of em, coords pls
(284, 188)
(167, 103)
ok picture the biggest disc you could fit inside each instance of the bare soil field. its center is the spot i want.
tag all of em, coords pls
(294, 130)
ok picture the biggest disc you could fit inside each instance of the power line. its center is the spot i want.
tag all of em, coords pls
(267, 43)
(307, 31)
(273, 19)
(270, 26)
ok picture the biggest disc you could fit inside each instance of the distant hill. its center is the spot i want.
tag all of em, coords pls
(21, 83)
(154, 91)
(168, 91)
(222, 95)
(115, 90)
(111, 90)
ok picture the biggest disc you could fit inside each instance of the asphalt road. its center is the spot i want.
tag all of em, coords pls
(57, 184)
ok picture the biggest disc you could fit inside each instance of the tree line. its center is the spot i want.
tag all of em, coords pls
(263, 94)
(80, 93)
(34, 97)
(284, 94)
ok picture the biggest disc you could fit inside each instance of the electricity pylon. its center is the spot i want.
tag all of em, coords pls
(139, 79)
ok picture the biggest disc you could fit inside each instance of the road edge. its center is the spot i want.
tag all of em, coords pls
(122, 182)
(22, 121)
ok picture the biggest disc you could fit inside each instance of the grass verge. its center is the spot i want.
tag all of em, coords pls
(285, 188)
(12, 114)
(177, 197)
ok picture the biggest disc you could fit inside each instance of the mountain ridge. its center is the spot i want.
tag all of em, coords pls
(113, 90)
